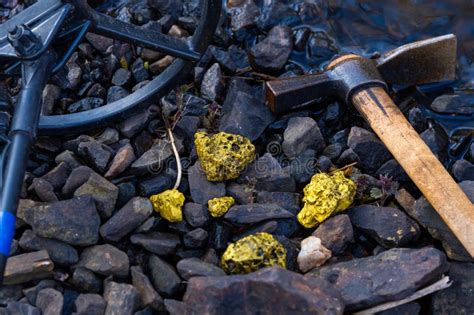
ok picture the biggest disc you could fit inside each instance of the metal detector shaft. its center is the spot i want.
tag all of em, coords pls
(22, 134)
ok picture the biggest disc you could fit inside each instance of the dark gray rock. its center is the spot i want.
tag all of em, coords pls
(457, 299)
(148, 295)
(278, 289)
(242, 193)
(244, 114)
(109, 136)
(50, 301)
(87, 103)
(17, 308)
(102, 191)
(333, 151)
(175, 307)
(195, 214)
(286, 200)
(137, 122)
(156, 184)
(163, 276)
(303, 167)
(122, 77)
(99, 42)
(195, 239)
(10, 293)
(194, 267)
(32, 293)
(244, 17)
(321, 46)
(454, 104)
(347, 157)
(436, 141)
(392, 169)
(390, 276)
(390, 227)
(126, 192)
(153, 160)
(138, 70)
(58, 175)
(336, 234)
(271, 54)
(127, 219)
(95, 154)
(301, 134)
(85, 280)
(201, 189)
(411, 308)
(78, 176)
(212, 84)
(59, 252)
(51, 94)
(370, 150)
(44, 190)
(69, 158)
(97, 90)
(121, 298)
(159, 243)
(115, 93)
(74, 221)
(463, 170)
(253, 213)
(90, 304)
(105, 260)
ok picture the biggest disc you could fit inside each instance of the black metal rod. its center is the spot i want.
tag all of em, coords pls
(22, 134)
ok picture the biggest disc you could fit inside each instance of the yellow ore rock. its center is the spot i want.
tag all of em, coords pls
(223, 156)
(219, 206)
(324, 196)
(253, 252)
(169, 204)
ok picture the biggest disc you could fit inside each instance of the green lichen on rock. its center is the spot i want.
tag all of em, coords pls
(169, 204)
(223, 156)
(219, 206)
(253, 252)
(325, 195)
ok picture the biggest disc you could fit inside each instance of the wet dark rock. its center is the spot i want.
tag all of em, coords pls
(370, 150)
(322, 46)
(244, 17)
(347, 157)
(457, 299)
(121, 298)
(126, 192)
(336, 234)
(276, 12)
(155, 185)
(51, 94)
(99, 42)
(115, 93)
(463, 170)
(286, 200)
(159, 243)
(390, 227)
(244, 114)
(44, 190)
(172, 7)
(212, 84)
(242, 193)
(148, 295)
(195, 239)
(125, 220)
(95, 154)
(74, 221)
(271, 54)
(278, 289)
(87, 103)
(97, 90)
(393, 170)
(219, 235)
(301, 134)
(102, 191)
(50, 301)
(201, 189)
(253, 213)
(90, 304)
(59, 252)
(389, 276)
(122, 77)
(194, 267)
(105, 260)
(231, 60)
(267, 174)
(124, 157)
(163, 276)
(300, 38)
(135, 123)
(138, 70)
(152, 161)
(195, 214)
(22, 309)
(85, 280)
(417, 119)
(78, 176)
(454, 104)
(333, 151)
(427, 217)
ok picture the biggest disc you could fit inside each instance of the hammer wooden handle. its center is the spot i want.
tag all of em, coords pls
(419, 162)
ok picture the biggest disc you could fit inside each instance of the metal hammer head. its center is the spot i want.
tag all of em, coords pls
(426, 61)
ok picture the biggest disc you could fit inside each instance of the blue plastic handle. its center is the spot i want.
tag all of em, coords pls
(7, 230)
